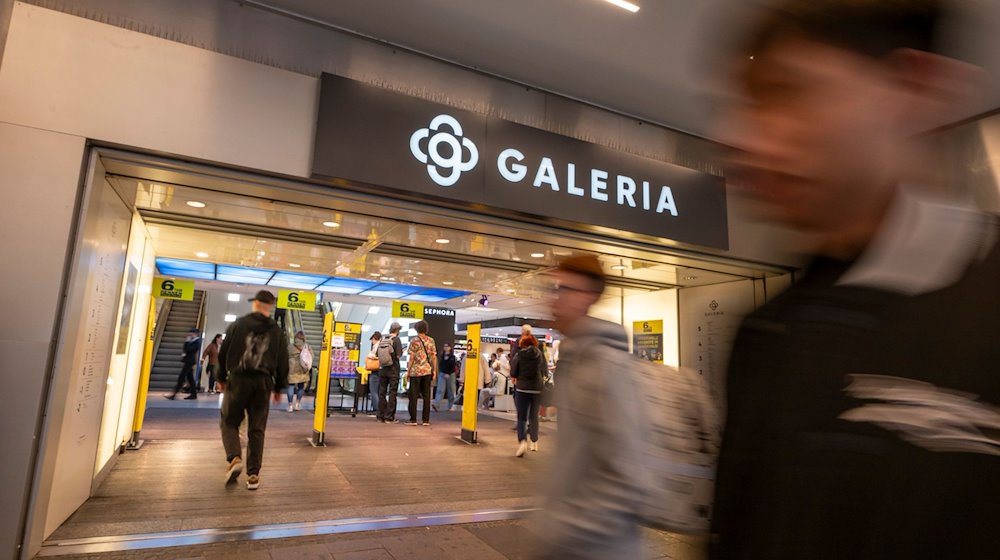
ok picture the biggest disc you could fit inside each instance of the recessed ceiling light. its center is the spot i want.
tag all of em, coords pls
(230, 317)
(619, 267)
(201, 255)
(234, 297)
(521, 302)
(331, 224)
(375, 274)
(295, 265)
(449, 283)
(511, 290)
(442, 241)
(624, 4)
(389, 279)
(195, 204)
(261, 253)
(373, 309)
(366, 328)
(537, 255)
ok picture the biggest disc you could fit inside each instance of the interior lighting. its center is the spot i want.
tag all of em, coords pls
(537, 255)
(295, 265)
(201, 255)
(366, 328)
(373, 309)
(234, 297)
(375, 274)
(442, 241)
(331, 224)
(624, 4)
(230, 317)
(195, 204)
(619, 267)
(449, 283)
(510, 290)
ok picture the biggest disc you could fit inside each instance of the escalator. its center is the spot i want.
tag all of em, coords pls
(181, 316)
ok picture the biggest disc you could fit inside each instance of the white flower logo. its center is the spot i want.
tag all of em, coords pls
(431, 154)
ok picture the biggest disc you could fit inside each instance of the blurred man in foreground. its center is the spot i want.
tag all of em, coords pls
(592, 492)
(862, 409)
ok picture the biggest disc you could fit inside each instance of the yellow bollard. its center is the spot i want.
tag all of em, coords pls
(323, 385)
(470, 402)
(147, 365)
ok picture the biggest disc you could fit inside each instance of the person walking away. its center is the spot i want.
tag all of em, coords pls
(593, 489)
(189, 359)
(373, 377)
(389, 350)
(446, 377)
(526, 370)
(421, 371)
(862, 404)
(253, 365)
(211, 359)
(299, 363)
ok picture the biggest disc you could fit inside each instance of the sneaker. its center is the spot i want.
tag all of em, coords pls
(434, 407)
(253, 482)
(411, 423)
(533, 446)
(298, 405)
(170, 397)
(426, 424)
(391, 421)
(291, 408)
(190, 397)
(235, 468)
(521, 448)
(372, 415)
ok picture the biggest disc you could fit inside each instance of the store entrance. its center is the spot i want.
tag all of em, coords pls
(226, 235)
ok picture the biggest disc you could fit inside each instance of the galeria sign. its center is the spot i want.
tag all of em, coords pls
(383, 138)
(169, 288)
(295, 299)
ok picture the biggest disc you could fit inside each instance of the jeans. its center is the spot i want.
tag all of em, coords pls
(187, 374)
(297, 389)
(527, 412)
(388, 386)
(420, 387)
(211, 376)
(445, 389)
(246, 393)
(373, 383)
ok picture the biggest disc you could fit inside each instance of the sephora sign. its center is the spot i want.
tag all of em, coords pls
(389, 140)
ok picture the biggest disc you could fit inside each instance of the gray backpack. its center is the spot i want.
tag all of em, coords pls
(384, 352)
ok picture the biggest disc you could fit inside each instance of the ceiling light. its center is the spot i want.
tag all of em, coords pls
(331, 224)
(442, 241)
(449, 283)
(521, 302)
(373, 309)
(201, 255)
(619, 267)
(261, 253)
(690, 277)
(389, 279)
(511, 290)
(294, 265)
(537, 255)
(624, 4)
(234, 297)
(366, 328)
(375, 274)
(230, 318)
(195, 204)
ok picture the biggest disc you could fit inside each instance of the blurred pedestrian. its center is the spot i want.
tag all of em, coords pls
(592, 491)
(448, 364)
(372, 361)
(211, 359)
(299, 363)
(389, 350)
(863, 404)
(526, 370)
(189, 359)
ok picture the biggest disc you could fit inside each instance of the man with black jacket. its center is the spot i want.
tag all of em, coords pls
(863, 403)
(253, 365)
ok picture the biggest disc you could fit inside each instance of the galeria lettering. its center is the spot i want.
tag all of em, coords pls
(625, 190)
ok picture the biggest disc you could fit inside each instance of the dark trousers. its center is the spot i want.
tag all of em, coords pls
(211, 376)
(246, 393)
(527, 413)
(187, 374)
(420, 387)
(388, 386)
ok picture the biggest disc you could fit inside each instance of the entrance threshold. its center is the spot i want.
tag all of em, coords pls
(118, 543)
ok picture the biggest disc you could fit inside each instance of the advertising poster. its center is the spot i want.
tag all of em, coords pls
(647, 340)
(345, 353)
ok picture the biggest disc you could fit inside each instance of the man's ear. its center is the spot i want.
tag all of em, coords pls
(938, 90)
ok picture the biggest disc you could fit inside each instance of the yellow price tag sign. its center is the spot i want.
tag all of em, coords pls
(295, 299)
(648, 327)
(169, 288)
(407, 310)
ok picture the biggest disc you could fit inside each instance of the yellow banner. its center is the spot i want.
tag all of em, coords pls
(470, 394)
(323, 383)
(647, 340)
(407, 310)
(295, 299)
(168, 288)
(647, 327)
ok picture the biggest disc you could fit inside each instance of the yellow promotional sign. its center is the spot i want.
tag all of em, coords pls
(471, 391)
(295, 299)
(168, 288)
(407, 310)
(323, 385)
(350, 333)
(647, 340)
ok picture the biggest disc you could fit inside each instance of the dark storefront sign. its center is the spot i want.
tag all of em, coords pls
(380, 137)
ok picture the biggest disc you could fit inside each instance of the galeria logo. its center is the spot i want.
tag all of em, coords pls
(454, 157)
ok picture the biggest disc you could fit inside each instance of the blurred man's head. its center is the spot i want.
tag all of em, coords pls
(263, 302)
(832, 95)
(580, 281)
